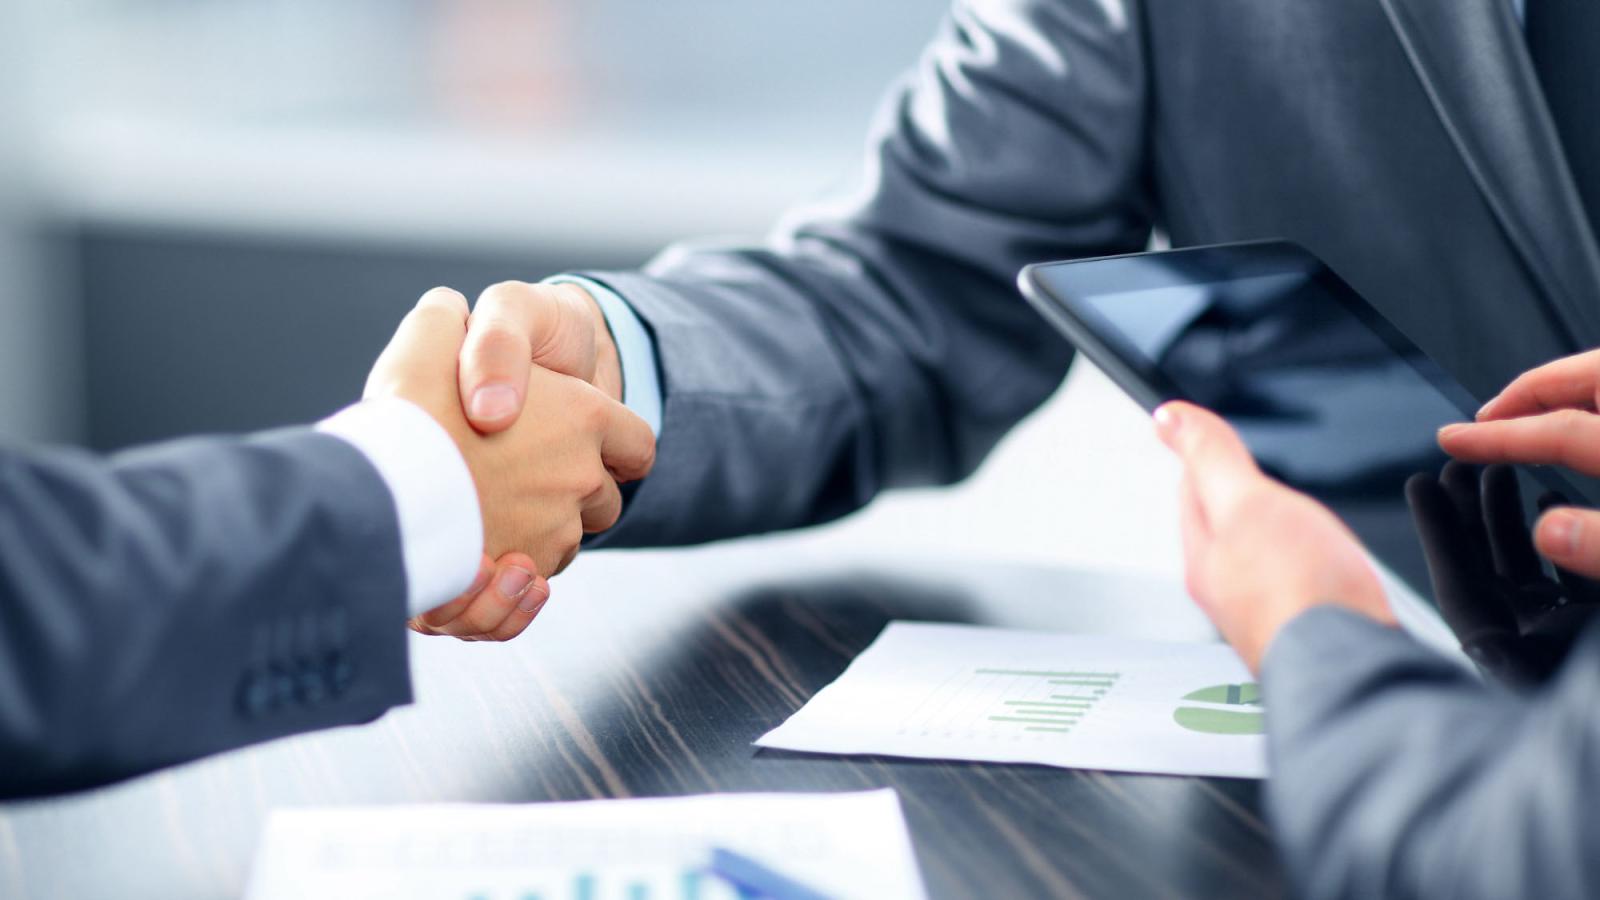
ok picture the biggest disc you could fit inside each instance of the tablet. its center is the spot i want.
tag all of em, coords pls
(1330, 396)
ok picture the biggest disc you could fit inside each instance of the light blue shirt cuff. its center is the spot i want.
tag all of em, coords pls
(636, 351)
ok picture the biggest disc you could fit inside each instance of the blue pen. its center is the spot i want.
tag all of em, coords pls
(755, 879)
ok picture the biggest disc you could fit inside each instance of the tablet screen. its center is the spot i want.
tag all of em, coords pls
(1331, 398)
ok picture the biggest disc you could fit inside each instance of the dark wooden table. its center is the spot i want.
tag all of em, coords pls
(650, 674)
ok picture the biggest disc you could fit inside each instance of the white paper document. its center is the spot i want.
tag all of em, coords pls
(840, 845)
(1078, 701)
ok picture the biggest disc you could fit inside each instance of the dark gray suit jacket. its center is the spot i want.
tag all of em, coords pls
(879, 341)
(190, 598)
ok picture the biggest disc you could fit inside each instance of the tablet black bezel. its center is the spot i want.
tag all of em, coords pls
(1060, 291)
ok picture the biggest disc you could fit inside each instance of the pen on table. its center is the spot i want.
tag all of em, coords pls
(752, 876)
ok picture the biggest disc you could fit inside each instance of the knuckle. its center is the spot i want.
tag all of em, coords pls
(647, 459)
(512, 629)
(445, 297)
(591, 408)
(570, 537)
(592, 484)
(606, 518)
(566, 560)
(480, 619)
(503, 293)
(1569, 421)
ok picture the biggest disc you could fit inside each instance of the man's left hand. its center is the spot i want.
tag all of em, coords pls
(1256, 553)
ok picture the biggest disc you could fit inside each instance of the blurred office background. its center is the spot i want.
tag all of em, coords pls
(216, 209)
(213, 212)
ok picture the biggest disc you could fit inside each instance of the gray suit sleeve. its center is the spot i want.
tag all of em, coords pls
(190, 598)
(881, 341)
(1398, 773)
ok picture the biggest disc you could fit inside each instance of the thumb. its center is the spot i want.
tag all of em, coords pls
(425, 345)
(1570, 538)
(515, 327)
(1215, 460)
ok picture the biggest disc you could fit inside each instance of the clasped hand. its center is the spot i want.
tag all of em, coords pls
(528, 387)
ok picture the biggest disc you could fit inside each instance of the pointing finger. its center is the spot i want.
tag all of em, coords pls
(1568, 383)
(1566, 437)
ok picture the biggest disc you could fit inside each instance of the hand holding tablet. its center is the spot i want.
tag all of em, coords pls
(1328, 397)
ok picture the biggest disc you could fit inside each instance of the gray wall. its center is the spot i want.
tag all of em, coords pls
(187, 333)
(40, 373)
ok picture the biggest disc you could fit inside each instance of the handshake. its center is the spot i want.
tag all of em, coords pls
(529, 387)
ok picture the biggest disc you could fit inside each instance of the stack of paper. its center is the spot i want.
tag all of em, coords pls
(972, 693)
(838, 845)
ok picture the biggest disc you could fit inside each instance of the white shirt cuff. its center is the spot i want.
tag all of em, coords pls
(636, 352)
(441, 526)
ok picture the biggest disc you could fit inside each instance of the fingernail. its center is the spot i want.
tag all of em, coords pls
(1448, 430)
(1564, 530)
(494, 401)
(536, 597)
(1168, 421)
(514, 583)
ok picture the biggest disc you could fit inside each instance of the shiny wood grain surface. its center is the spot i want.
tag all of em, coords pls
(650, 674)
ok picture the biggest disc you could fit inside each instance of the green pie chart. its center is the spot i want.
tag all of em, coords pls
(1216, 718)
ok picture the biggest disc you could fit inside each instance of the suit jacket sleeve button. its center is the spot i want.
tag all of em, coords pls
(341, 672)
(281, 693)
(311, 684)
(253, 694)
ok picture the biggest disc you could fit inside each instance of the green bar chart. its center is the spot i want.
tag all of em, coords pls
(1054, 702)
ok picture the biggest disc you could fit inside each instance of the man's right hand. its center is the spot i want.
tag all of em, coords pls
(518, 326)
(1546, 416)
(545, 480)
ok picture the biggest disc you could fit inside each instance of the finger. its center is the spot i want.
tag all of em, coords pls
(627, 446)
(603, 508)
(1570, 538)
(434, 619)
(1565, 437)
(515, 585)
(1575, 587)
(1510, 541)
(429, 336)
(567, 558)
(1567, 383)
(1213, 456)
(435, 324)
(1460, 481)
(516, 623)
(1463, 594)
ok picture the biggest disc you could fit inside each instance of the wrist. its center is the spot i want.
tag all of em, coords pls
(1272, 624)
(437, 507)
